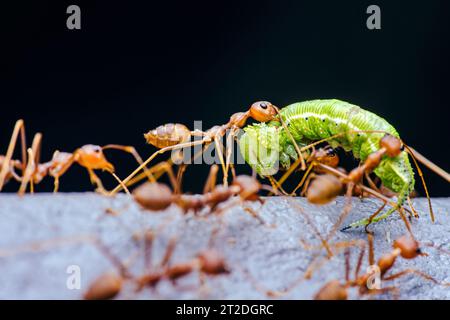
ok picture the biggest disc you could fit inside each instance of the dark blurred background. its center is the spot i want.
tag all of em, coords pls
(135, 65)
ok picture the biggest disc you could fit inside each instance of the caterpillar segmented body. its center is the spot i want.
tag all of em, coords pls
(315, 120)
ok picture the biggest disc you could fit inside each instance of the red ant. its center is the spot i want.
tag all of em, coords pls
(405, 246)
(89, 156)
(176, 136)
(108, 285)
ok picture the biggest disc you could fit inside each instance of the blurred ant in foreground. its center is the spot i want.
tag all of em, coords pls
(405, 246)
(157, 196)
(207, 262)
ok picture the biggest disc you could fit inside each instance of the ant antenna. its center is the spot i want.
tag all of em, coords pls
(419, 171)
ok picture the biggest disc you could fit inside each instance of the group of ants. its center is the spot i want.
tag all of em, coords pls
(322, 182)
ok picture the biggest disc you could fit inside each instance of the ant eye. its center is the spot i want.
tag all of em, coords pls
(263, 105)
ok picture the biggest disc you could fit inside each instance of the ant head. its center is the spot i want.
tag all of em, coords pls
(92, 157)
(212, 262)
(392, 145)
(327, 156)
(333, 290)
(263, 111)
(409, 247)
(153, 196)
(249, 186)
(179, 270)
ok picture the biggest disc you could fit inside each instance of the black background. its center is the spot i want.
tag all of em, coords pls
(136, 65)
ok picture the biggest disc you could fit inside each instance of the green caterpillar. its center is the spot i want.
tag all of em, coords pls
(265, 146)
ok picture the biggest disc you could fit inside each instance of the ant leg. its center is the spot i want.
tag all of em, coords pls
(229, 149)
(362, 252)
(306, 185)
(120, 182)
(311, 224)
(182, 168)
(347, 264)
(366, 221)
(149, 159)
(180, 172)
(218, 145)
(131, 150)
(143, 175)
(366, 227)
(289, 171)
(14, 173)
(254, 214)
(415, 214)
(30, 168)
(166, 167)
(57, 174)
(18, 128)
(116, 262)
(370, 182)
(44, 245)
(168, 254)
(416, 272)
(419, 171)
(96, 181)
(157, 173)
(430, 165)
(371, 249)
(345, 211)
(276, 185)
(33, 160)
(149, 238)
(304, 178)
(211, 180)
(55, 184)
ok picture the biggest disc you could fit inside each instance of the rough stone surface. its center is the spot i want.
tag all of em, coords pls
(38, 242)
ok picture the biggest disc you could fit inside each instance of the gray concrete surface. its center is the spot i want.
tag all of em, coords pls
(34, 265)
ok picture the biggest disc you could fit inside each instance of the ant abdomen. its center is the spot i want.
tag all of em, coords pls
(107, 286)
(153, 196)
(333, 290)
(324, 188)
(168, 135)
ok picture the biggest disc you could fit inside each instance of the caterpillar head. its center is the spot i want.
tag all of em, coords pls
(260, 147)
